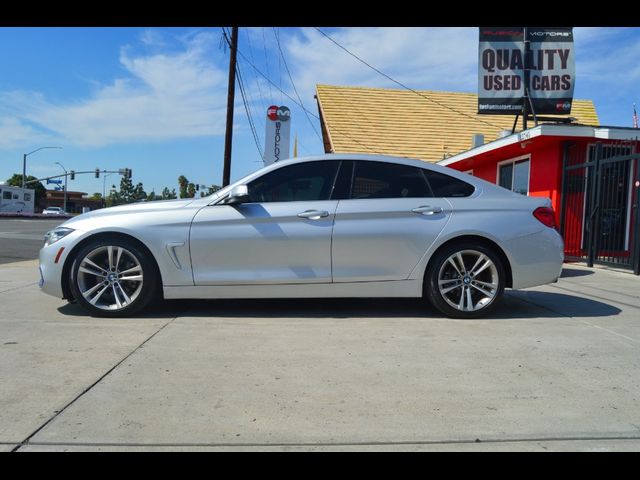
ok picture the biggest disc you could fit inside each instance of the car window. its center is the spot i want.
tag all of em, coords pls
(342, 186)
(388, 180)
(447, 186)
(305, 181)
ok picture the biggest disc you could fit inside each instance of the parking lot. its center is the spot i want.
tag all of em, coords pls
(554, 368)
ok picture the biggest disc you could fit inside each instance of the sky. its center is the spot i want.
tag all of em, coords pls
(154, 99)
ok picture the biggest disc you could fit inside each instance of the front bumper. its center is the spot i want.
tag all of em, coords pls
(52, 261)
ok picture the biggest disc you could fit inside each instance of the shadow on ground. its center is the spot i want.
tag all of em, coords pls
(575, 272)
(514, 305)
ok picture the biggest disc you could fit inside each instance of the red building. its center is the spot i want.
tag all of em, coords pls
(591, 174)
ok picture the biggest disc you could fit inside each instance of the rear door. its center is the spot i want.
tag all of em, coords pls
(388, 220)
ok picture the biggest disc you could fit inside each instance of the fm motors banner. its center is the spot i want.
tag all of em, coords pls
(502, 62)
(277, 134)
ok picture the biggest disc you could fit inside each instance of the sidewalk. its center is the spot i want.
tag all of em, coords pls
(554, 369)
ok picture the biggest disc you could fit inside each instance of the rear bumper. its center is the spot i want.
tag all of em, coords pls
(536, 259)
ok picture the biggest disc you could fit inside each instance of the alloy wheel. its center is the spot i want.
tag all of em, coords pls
(110, 278)
(468, 281)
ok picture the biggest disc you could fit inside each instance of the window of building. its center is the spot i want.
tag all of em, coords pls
(6, 195)
(27, 197)
(514, 175)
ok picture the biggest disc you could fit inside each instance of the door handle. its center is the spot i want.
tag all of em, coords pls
(314, 214)
(427, 210)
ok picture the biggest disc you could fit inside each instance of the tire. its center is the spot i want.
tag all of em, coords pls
(114, 277)
(468, 291)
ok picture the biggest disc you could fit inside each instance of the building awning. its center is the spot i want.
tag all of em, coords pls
(544, 130)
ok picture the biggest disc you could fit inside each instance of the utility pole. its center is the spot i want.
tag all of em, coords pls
(226, 172)
(525, 100)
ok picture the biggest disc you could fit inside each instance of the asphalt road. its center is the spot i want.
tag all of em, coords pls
(22, 239)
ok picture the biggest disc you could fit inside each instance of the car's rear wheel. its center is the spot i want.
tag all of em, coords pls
(113, 277)
(465, 280)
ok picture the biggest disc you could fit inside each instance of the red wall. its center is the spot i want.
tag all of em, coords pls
(545, 168)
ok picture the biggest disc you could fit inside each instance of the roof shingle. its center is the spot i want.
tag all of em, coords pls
(429, 126)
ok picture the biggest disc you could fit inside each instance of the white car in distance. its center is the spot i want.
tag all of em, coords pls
(54, 211)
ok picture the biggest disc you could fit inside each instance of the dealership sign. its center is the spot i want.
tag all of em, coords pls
(502, 62)
(277, 134)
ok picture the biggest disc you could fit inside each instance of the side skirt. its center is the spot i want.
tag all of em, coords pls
(403, 288)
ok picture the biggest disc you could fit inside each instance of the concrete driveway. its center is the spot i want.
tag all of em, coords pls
(556, 368)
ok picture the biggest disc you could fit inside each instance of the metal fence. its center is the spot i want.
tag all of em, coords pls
(599, 212)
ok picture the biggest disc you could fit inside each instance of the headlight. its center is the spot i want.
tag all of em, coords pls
(56, 234)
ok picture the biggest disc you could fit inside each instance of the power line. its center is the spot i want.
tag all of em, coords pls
(266, 62)
(254, 74)
(263, 103)
(279, 70)
(403, 85)
(294, 85)
(295, 101)
(246, 107)
(244, 99)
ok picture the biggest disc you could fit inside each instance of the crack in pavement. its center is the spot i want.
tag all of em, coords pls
(27, 441)
(477, 440)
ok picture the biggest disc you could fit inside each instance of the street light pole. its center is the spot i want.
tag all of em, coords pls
(104, 189)
(24, 163)
(66, 178)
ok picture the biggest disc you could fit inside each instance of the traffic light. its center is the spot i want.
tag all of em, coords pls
(198, 188)
(97, 173)
(129, 173)
(72, 174)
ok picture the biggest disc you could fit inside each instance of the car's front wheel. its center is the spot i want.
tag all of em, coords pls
(113, 278)
(465, 280)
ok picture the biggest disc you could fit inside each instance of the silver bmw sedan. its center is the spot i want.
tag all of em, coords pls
(324, 226)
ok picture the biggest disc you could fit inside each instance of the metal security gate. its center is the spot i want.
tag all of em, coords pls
(599, 207)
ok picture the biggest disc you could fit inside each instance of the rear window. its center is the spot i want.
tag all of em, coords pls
(447, 186)
(387, 180)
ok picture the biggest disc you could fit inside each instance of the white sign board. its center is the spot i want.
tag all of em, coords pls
(277, 138)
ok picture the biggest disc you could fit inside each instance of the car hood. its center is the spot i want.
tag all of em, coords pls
(132, 208)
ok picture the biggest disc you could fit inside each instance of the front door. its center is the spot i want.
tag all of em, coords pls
(281, 236)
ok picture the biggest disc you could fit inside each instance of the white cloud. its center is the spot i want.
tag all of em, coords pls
(15, 133)
(165, 96)
(443, 58)
(152, 38)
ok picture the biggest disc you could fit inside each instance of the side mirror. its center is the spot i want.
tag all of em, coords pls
(239, 194)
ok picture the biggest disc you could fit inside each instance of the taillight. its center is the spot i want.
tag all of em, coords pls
(546, 216)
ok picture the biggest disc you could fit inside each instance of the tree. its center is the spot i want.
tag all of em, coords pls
(184, 185)
(169, 194)
(96, 197)
(128, 193)
(41, 191)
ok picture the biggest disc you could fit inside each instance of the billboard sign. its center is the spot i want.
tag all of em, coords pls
(502, 63)
(277, 138)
